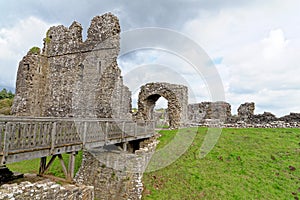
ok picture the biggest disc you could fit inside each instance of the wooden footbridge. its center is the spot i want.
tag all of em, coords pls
(24, 138)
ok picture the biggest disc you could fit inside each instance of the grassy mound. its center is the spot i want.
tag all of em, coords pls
(244, 164)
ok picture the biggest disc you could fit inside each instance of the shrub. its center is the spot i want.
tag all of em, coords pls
(5, 106)
(35, 50)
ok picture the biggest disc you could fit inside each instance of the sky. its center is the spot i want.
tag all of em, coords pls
(254, 45)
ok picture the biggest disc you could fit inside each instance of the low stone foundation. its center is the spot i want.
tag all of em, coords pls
(243, 124)
(46, 190)
(109, 173)
(116, 174)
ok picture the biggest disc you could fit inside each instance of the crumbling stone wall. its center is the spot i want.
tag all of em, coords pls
(202, 113)
(46, 190)
(292, 117)
(71, 77)
(266, 117)
(246, 111)
(116, 174)
(176, 95)
(209, 110)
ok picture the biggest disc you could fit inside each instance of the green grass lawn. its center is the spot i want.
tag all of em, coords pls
(32, 166)
(244, 164)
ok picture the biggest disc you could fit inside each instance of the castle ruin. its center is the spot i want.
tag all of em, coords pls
(70, 77)
(74, 78)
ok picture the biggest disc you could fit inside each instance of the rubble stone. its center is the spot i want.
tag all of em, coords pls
(46, 190)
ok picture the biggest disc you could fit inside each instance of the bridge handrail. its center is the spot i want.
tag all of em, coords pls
(53, 119)
(57, 135)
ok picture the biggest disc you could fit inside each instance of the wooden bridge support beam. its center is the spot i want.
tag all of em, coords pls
(68, 172)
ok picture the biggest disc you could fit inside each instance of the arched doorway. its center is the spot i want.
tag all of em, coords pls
(177, 98)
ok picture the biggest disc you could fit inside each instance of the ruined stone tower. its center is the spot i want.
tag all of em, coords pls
(74, 78)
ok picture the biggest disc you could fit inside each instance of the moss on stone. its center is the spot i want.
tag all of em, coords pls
(35, 50)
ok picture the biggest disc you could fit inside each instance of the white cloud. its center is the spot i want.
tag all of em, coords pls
(260, 49)
(274, 45)
(258, 43)
(15, 41)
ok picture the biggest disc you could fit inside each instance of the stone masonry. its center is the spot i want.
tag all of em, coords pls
(75, 78)
(46, 190)
(116, 174)
(201, 113)
(176, 95)
(198, 112)
(71, 77)
(246, 111)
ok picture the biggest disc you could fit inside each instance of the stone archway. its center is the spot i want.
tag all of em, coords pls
(176, 95)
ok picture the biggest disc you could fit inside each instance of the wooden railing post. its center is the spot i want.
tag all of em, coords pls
(5, 143)
(53, 137)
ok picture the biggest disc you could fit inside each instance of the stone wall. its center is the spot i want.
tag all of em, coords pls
(176, 95)
(266, 117)
(292, 117)
(219, 114)
(46, 190)
(116, 174)
(246, 111)
(71, 77)
(198, 112)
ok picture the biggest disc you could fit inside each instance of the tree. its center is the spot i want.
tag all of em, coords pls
(4, 94)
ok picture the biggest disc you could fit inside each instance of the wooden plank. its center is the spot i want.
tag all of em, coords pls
(49, 164)
(5, 144)
(25, 136)
(44, 134)
(40, 132)
(31, 135)
(71, 166)
(63, 165)
(42, 165)
(53, 137)
(13, 136)
(35, 129)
